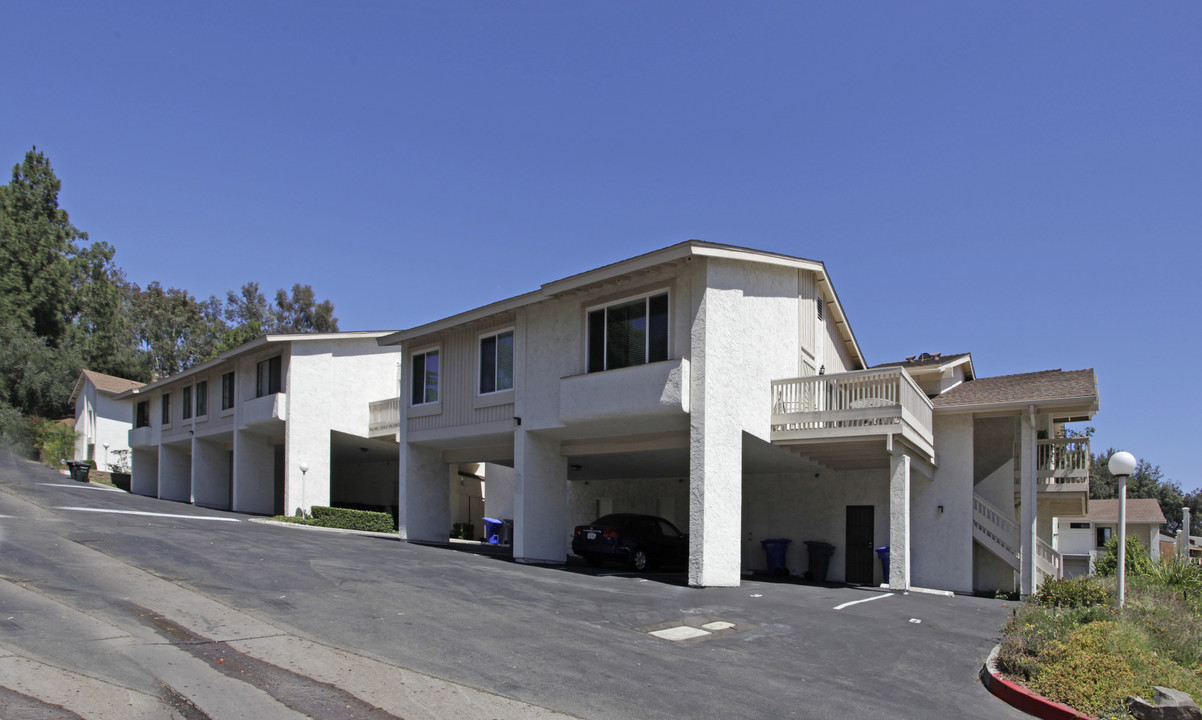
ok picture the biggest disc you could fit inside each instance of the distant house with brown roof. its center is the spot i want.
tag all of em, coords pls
(1080, 540)
(102, 422)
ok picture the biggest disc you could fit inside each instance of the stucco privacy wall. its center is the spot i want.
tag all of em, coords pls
(329, 386)
(145, 471)
(940, 541)
(211, 465)
(744, 335)
(175, 472)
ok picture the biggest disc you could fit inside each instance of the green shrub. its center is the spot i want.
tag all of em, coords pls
(349, 519)
(463, 531)
(1138, 561)
(17, 432)
(1097, 666)
(55, 440)
(1085, 591)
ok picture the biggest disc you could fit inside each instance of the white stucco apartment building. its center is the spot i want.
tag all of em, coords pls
(274, 426)
(724, 389)
(1081, 540)
(102, 420)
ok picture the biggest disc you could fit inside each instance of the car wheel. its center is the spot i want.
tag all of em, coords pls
(593, 560)
(639, 560)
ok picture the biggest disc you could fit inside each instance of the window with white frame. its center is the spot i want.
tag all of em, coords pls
(626, 333)
(187, 402)
(227, 391)
(267, 377)
(166, 407)
(425, 378)
(496, 362)
(202, 398)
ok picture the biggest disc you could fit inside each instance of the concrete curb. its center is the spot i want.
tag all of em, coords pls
(340, 531)
(1020, 697)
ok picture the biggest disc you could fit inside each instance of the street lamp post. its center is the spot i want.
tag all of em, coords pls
(1121, 465)
(106, 454)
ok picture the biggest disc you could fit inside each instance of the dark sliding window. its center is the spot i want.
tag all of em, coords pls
(628, 333)
(227, 391)
(267, 377)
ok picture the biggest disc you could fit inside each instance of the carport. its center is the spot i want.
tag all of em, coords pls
(363, 473)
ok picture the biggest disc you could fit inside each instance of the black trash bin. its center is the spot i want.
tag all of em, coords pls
(776, 549)
(820, 559)
(79, 470)
(506, 531)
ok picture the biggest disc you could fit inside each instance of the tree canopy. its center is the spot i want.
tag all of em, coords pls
(65, 305)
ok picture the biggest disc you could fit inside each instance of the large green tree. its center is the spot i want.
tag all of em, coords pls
(175, 329)
(301, 313)
(38, 251)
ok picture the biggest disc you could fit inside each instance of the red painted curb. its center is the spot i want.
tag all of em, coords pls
(1020, 697)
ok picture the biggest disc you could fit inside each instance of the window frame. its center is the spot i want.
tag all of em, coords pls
(142, 413)
(229, 390)
(1099, 532)
(495, 335)
(426, 403)
(275, 379)
(646, 297)
(186, 402)
(165, 409)
(201, 398)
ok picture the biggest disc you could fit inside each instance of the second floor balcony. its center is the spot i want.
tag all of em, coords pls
(861, 405)
(384, 417)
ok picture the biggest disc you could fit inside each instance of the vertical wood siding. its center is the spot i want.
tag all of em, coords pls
(458, 382)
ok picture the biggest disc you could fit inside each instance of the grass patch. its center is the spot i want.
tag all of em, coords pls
(344, 519)
(1071, 643)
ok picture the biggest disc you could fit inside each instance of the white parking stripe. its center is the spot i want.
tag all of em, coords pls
(151, 514)
(857, 602)
(81, 485)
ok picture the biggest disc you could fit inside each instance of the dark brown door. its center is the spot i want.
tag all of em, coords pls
(859, 544)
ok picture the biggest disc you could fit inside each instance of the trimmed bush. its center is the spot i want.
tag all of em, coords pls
(1085, 591)
(348, 519)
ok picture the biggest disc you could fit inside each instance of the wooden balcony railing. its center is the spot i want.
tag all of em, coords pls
(384, 415)
(859, 399)
(1064, 458)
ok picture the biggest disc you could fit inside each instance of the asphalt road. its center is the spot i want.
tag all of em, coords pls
(192, 613)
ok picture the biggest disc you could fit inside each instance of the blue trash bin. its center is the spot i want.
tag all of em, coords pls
(775, 550)
(883, 554)
(492, 530)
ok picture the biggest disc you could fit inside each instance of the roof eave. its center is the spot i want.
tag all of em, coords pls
(1088, 402)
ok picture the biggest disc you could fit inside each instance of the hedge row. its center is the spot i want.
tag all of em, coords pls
(348, 519)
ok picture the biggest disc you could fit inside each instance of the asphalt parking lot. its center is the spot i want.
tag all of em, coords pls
(569, 638)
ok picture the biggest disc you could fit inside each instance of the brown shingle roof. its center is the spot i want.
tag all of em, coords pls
(111, 383)
(1036, 387)
(1141, 510)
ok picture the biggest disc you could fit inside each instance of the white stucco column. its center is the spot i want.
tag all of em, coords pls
(540, 499)
(899, 521)
(1028, 494)
(715, 500)
(423, 502)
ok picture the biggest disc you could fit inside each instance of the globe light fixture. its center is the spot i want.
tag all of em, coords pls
(1121, 465)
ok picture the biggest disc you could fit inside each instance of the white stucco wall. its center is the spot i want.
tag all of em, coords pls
(100, 419)
(329, 384)
(498, 491)
(941, 550)
(211, 474)
(254, 473)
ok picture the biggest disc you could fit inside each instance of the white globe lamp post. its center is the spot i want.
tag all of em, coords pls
(1121, 465)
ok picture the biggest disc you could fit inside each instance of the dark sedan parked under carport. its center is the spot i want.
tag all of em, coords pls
(642, 541)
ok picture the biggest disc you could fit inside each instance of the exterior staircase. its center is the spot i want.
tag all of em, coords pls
(996, 531)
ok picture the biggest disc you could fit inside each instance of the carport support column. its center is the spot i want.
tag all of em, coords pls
(540, 499)
(899, 521)
(424, 502)
(1028, 494)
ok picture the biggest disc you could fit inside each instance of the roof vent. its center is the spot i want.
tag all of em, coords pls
(910, 358)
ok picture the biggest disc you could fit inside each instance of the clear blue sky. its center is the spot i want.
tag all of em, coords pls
(1020, 180)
